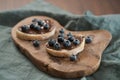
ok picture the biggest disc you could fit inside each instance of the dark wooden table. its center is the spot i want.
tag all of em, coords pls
(98, 7)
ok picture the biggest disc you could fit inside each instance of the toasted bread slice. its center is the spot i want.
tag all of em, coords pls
(27, 36)
(65, 52)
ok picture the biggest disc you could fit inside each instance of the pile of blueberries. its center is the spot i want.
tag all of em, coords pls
(56, 44)
(36, 25)
(61, 40)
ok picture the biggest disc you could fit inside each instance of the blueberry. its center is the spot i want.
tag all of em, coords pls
(32, 26)
(25, 28)
(36, 43)
(88, 39)
(51, 42)
(34, 20)
(61, 31)
(67, 43)
(71, 38)
(76, 42)
(40, 22)
(37, 28)
(61, 35)
(60, 39)
(57, 46)
(69, 34)
(73, 58)
(46, 26)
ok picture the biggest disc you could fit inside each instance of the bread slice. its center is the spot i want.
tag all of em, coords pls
(65, 52)
(27, 36)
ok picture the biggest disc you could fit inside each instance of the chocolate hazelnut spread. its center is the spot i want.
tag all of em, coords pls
(68, 48)
(42, 30)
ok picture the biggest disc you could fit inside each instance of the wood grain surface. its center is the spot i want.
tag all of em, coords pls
(98, 7)
(88, 60)
(12, 4)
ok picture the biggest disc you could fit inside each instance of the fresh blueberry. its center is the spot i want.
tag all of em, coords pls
(46, 26)
(40, 22)
(67, 43)
(71, 38)
(51, 42)
(60, 39)
(36, 43)
(61, 31)
(57, 46)
(76, 42)
(37, 28)
(69, 34)
(88, 39)
(61, 35)
(73, 58)
(25, 28)
(32, 26)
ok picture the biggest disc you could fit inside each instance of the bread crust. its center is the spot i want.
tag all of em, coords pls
(65, 52)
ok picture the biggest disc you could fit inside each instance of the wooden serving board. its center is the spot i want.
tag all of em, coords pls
(88, 60)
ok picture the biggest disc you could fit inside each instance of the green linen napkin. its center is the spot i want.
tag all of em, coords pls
(15, 66)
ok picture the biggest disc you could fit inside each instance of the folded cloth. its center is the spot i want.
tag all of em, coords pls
(15, 66)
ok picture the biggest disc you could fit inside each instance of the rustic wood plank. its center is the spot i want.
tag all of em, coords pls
(88, 60)
(98, 7)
